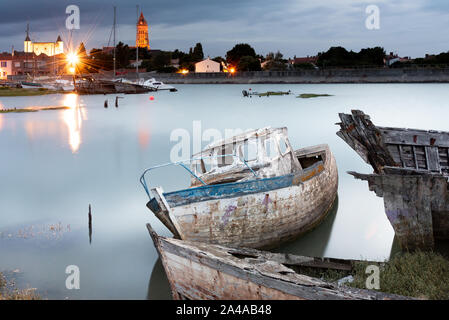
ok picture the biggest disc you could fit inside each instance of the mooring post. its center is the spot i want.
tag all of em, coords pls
(116, 102)
(106, 103)
(90, 225)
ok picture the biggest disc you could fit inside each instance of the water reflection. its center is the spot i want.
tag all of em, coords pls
(73, 119)
(144, 135)
(41, 129)
(158, 286)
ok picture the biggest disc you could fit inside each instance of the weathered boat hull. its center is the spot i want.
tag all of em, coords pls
(198, 271)
(257, 214)
(411, 169)
(108, 87)
(416, 206)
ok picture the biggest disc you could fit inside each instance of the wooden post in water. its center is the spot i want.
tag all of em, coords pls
(90, 225)
(106, 103)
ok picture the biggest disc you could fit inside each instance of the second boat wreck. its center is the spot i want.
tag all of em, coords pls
(199, 271)
(252, 190)
(411, 171)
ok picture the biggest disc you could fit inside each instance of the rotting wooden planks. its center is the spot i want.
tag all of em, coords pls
(411, 174)
(202, 271)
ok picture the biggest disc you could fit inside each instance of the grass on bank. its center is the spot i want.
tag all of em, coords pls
(312, 95)
(8, 291)
(423, 275)
(32, 109)
(18, 92)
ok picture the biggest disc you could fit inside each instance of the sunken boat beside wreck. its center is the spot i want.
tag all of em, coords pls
(200, 271)
(252, 190)
(411, 172)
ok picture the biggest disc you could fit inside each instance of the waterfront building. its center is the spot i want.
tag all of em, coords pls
(5, 65)
(207, 65)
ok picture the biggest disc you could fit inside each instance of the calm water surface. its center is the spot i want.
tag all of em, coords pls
(53, 164)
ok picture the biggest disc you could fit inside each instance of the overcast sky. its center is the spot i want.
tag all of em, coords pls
(295, 27)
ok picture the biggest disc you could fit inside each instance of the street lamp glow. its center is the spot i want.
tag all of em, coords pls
(72, 58)
(183, 71)
(72, 70)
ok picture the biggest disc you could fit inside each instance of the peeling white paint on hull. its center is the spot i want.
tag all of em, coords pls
(261, 219)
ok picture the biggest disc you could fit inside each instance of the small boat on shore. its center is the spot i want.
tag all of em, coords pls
(31, 85)
(411, 172)
(199, 271)
(94, 86)
(251, 190)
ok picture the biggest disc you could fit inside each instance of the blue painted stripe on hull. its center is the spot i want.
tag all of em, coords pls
(227, 190)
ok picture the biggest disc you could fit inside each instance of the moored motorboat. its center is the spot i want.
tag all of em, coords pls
(252, 190)
(157, 85)
(199, 271)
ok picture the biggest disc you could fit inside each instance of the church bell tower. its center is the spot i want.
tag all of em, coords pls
(27, 44)
(142, 33)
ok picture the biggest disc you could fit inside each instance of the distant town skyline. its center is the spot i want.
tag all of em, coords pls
(409, 28)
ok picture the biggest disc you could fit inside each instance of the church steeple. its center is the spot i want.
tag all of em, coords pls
(142, 40)
(28, 33)
(27, 44)
(142, 21)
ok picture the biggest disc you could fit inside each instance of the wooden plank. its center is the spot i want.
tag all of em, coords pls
(415, 137)
(401, 156)
(434, 163)
(202, 271)
(415, 158)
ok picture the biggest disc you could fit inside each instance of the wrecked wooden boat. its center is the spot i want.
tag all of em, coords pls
(94, 86)
(199, 271)
(411, 171)
(251, 190)
(265, 94)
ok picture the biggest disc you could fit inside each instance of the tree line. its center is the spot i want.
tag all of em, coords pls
(242, 57)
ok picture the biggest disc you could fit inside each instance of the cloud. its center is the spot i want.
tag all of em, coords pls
(295, 27)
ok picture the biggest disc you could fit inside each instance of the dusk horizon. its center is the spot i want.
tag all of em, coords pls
(295, 28)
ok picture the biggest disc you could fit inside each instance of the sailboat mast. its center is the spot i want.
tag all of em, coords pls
(28, 48)
(115, 21)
